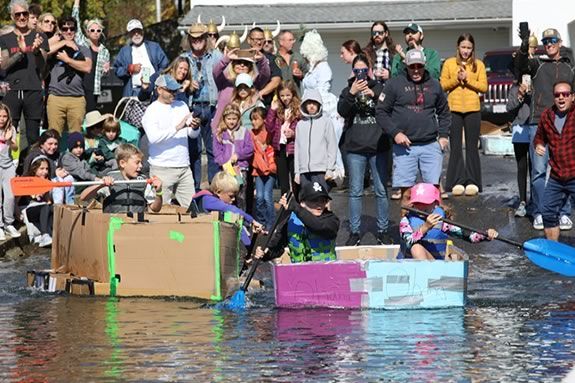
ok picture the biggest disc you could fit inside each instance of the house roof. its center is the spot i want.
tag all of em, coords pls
(335, 15)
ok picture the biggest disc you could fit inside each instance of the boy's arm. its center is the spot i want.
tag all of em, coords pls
(215, 204)
(325, 226)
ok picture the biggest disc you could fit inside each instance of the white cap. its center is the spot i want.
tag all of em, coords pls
(134, 24)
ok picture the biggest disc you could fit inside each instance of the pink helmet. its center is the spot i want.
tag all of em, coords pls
(424, 193)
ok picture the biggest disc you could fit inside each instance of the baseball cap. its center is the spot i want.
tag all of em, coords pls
(424, 193)
(413, 27)
(551, 33)
(414, 56)
(134, 24)
(197, 30)
(244, 78)
(168, 82)
(311, 191)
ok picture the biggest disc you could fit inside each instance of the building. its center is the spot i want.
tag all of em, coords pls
(442, 20)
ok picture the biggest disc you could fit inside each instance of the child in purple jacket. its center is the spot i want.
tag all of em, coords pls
(233, 146)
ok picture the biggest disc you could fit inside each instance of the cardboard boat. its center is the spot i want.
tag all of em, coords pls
(371, 277)
(164, 255)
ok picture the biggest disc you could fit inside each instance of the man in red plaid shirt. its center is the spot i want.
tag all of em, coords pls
(557, 130)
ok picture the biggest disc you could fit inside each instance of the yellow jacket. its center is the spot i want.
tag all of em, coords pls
(463, 96)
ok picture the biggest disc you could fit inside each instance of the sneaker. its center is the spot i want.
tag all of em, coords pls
(471, 190)
(383, 238)
(565, 223)
(396, 195)
(37, 239)
(12, 232)
(458, 190)
(353, 240)
(45, 241)
(521, 211)
(2, 235)
(538, 222)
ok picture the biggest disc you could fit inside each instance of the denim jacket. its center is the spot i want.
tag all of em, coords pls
(207, 63)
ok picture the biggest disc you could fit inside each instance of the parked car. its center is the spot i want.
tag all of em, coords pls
(499, 67)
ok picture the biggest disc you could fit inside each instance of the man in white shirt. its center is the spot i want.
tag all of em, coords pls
(168, 124)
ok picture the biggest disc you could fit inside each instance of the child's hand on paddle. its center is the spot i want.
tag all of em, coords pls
(492, 234)
(283, 201)
(259, 253)
(432, 220)
(257, 227)
(107, 181)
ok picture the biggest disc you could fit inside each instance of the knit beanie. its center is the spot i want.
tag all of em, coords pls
(75, 139)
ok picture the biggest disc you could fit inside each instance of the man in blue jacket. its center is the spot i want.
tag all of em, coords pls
(138, 60)
(413, 110)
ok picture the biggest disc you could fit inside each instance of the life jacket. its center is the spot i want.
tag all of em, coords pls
(125, 198)
(305, 246)
(435, 240)
(198, 199)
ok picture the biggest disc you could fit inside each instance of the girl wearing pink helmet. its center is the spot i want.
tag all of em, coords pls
(427, 239)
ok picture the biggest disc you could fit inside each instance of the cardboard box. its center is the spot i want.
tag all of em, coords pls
(169, 255)
(385, 252)
(47, 280)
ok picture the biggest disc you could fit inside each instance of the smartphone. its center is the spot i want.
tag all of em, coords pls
(361, 76)
(146, 75)
(524, 29)
(526, 79)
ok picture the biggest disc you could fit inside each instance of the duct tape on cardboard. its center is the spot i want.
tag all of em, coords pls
(115, 225)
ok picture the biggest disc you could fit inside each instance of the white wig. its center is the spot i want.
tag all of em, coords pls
(312, 48)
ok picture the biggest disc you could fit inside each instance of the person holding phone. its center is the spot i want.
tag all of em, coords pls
(365, 144)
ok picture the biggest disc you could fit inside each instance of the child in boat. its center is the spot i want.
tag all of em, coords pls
(124, 198)
(220, 197)
(427, 239)
(310, 230)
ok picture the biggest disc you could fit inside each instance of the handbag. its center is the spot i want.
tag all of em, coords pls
(133, 111)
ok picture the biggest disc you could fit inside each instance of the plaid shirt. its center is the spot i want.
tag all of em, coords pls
(561, 146)
(103, 53)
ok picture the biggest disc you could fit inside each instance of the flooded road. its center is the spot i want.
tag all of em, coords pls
(518, 326)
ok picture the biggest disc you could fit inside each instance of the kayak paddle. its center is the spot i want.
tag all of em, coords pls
(549, 255)
(37, 185)
(238, 301)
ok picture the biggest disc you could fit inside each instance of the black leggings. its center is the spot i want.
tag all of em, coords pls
(285, 166)
(523, 165)
(41, 216)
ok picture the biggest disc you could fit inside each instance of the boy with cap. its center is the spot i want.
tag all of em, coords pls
(137, 58)
(413, 34)
(413, 110)
(310, 230)
(73, 160)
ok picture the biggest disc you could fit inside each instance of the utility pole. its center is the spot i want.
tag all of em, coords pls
(158, 11)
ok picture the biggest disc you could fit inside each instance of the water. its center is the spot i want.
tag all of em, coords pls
(519, 326)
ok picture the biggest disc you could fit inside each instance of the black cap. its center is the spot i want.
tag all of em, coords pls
(311, 191)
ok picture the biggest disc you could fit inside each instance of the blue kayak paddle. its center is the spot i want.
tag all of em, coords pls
(549, 255)
(238, 301)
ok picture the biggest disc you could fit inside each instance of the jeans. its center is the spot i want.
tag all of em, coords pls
(265, 212)
(539, 178)
(557, 193)
(356, 164)
(407, 161)
(205, 112)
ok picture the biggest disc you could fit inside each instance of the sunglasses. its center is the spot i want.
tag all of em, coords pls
(50, 22)
(96, 30)
(360, 70)
(416, 66)
(68, 29)
(213, 34)
(551, 40)
(377, 33)
(269, 41)
(564, 94)
(24, 14)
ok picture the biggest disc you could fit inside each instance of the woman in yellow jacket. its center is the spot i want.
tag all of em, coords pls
(463, 77)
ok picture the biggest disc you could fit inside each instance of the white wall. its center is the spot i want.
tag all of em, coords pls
(542, 15)
(441, 40)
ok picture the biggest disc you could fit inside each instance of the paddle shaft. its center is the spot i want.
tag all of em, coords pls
(499, 238)
(256, 261)
(90, 183)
